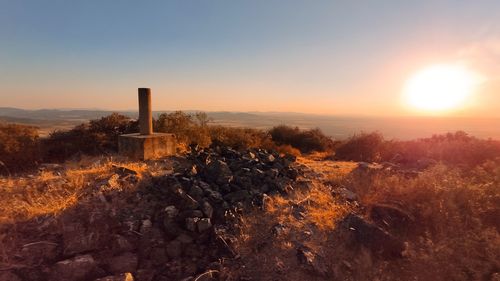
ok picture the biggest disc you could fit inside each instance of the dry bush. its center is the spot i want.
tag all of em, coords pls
(239, 138)
(304, 140)
(363, 147)
(188, 128)
(51, 191)
(19, 148)
(94, 138)
(456, 149)
(195, 129)
(455, 216)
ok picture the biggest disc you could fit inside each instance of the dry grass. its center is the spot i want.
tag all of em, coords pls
(454, 235)
(55, 189)
(305, 217)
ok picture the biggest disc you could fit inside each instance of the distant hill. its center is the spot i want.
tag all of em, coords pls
(335, 126)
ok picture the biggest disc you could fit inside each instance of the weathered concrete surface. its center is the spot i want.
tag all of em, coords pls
(145, 112)
(144, 147)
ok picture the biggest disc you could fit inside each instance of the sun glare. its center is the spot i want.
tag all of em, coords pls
(441, 87)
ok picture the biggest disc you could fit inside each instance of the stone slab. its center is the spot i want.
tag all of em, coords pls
(144, 147)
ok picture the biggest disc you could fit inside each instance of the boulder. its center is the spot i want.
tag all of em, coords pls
(79, 239)
(174, 249)
(78, 268)
(204, 224)
(237, 196)
(121, 244)
(390, 215)
(9, 276)
(207, 209)
(218, 172)
(171, 212)
(311, 261)
(191, 224)
(40, 252)
(124, 263)
(373, 237)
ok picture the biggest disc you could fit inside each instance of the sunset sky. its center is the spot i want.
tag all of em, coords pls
(327, 57)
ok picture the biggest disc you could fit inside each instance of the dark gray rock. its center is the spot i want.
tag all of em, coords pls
(204, 224)
(184, 239)
(78, 268)
(9, 276)
(312, 261)
(171, 212)
(207, 209)
(171, 227)
(390, 215)
(191, 224)
(219, 172)
(373, 237)
(237, 196)
(40, 252)
(196, 192)
(124, 263)
(174, 249)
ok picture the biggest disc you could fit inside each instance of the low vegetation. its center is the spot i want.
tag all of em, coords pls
(93, 138)
(19, 148)
(305, 140)
(457, 149)
(440, 196)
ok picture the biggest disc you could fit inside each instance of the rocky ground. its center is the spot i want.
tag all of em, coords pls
(215, 214)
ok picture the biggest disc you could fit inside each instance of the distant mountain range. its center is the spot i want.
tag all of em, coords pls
(335, 126)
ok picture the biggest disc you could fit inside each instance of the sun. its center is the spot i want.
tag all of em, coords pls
(441, 87)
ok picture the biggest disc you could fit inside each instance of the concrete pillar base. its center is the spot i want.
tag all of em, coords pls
(144, 147)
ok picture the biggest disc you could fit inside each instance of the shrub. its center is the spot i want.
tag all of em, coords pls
(363, 147)
(239, 138)
(456, 149)
(19, 148)
(454, 216)
(188, 128)
(304, 140)
(96, 137)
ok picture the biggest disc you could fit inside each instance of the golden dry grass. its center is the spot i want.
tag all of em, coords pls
(273, 256)
(53, 190)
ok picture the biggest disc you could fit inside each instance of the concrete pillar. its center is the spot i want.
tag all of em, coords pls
(145, 113)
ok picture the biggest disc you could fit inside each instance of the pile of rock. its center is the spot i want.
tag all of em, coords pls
(177, 226)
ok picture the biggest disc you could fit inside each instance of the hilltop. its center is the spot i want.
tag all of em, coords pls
(247, 204)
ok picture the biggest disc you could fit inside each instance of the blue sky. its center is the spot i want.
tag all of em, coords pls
(333, 57)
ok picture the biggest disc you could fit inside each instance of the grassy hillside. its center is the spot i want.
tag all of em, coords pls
(247, 204)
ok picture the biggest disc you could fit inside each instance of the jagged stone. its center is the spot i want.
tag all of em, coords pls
(312, 261)
(237, 196)
(76, 269)
(207, 209)
(204, 224)
(196, 192)
(191, 224)
(171, 212)
(124, 263)
(41, 252)
(9, 276)
(174, 249)
(373, 237)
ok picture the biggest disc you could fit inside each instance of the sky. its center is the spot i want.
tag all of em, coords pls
(325, 57)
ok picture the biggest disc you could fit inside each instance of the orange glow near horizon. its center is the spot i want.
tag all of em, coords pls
(441, 88)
